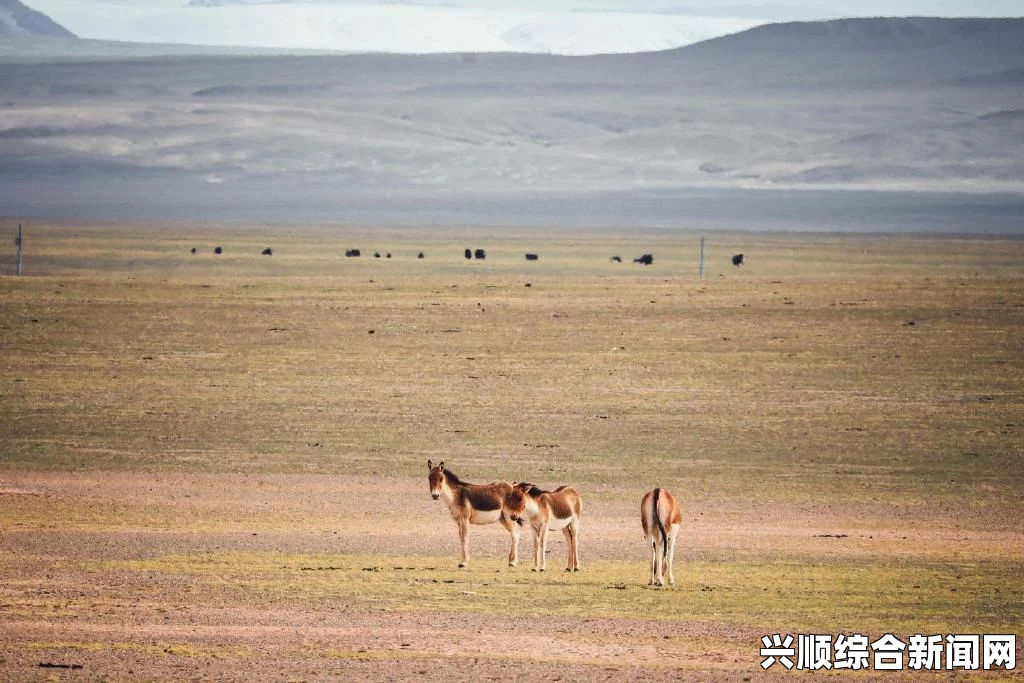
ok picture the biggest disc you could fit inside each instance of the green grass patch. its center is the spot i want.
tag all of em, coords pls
(797, 596)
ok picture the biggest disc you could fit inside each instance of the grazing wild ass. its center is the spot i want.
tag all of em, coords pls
(661, 517)
(549, 511)
(474, 504)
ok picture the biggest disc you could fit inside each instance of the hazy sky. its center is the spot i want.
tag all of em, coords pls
(568, 27)
(770, 9)
(767, 9)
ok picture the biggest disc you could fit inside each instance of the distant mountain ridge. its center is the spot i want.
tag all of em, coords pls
(883, 33)
(17, 20)
(862, 51)
(904, 105)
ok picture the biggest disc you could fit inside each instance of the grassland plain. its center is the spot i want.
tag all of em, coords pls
(214, 465)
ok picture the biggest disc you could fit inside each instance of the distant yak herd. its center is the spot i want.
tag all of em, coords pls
(479, 255)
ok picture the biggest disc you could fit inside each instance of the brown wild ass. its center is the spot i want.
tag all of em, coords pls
(474, 504)
(661, 517)
(549, 511)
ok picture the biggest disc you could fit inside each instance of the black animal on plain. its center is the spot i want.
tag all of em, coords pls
(645, 260)
(737, 260)
(480, 254)
(268, 252)
(532, 257)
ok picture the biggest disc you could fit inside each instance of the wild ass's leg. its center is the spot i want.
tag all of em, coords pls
(654, 559)
(572, 542)
(540, 548)
(463, 540)
(513, 530)
(662, 544)
(672, 553)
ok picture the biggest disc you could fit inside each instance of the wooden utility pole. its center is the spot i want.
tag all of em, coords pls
(701, 258)
(21, 247)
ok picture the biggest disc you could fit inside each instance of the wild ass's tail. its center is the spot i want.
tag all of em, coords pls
(661, 526)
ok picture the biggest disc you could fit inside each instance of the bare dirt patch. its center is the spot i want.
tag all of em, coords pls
(305, 576)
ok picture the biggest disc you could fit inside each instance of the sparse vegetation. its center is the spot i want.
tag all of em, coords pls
(208, 462)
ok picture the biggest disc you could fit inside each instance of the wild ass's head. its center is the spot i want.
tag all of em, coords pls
(518, 501)
(435, 477)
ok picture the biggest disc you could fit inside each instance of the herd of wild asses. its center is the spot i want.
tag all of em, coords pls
(476, 254)
(516, 504)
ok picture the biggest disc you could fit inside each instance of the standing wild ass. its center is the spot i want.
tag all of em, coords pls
(474, 504)
(549, 511)
(661, 517)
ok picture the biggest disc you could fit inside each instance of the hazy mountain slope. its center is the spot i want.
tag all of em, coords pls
(507, 137)
(853, 52)
(17, 20)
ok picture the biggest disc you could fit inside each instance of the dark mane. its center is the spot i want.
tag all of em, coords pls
(452, 477)
(535, 492)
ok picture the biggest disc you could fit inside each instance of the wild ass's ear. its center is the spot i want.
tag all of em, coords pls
(440, 465)
(430, 465)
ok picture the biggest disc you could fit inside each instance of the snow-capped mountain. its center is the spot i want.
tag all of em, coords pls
(396, 27)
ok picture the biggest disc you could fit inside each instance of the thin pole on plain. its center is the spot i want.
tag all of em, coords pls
(701, 258)
(21, 246)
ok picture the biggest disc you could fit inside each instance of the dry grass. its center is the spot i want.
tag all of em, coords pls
(861, 387)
